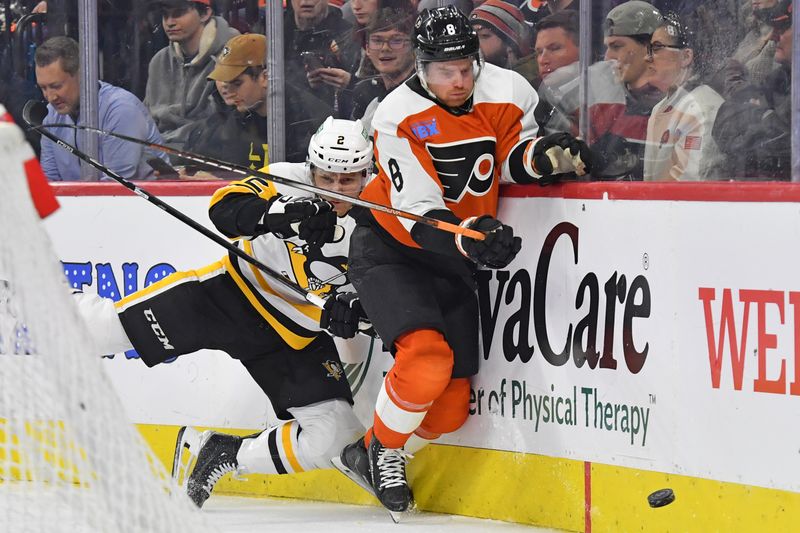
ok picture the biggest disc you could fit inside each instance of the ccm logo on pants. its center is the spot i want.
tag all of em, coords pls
(159, 333)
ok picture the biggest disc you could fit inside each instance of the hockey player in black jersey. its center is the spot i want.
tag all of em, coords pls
(443, 142)
(278, 337)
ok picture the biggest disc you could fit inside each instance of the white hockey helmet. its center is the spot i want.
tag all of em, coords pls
(341, 146)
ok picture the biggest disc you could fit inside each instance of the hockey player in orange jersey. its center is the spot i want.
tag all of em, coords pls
(443, 142)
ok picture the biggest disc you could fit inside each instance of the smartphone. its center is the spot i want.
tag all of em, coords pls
(312, 60)
(162, 167)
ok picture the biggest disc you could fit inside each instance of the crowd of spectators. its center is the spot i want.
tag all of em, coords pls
(678, 89)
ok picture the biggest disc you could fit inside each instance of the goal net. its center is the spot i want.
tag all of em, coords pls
(69, 458)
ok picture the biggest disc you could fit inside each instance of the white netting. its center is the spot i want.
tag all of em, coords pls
(69, 458)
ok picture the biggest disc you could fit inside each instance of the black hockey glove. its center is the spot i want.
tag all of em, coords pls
(559, 153)
(312, 219)
(499, 247)
(342, 314)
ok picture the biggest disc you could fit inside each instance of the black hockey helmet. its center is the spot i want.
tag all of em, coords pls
(443, 34)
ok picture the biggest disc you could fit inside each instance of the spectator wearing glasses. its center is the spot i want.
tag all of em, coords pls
(178, 92)
(390, 51)
(343, 80)
(753, 126)
(679, 142)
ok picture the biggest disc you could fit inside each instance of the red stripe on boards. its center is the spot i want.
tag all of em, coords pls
(689, 192)
(157, 188)
(587, 497)
(708, 191)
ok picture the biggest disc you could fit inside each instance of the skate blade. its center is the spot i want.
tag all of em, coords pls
(187, 446)
(358, 480)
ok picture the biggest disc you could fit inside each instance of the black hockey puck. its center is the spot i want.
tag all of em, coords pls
(660, 498)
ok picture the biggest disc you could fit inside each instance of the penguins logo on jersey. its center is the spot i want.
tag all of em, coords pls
(464, 166)
(334, 369)
(314, 270)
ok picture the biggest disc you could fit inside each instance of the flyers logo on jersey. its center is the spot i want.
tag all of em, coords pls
(464, 166)
(535, 5)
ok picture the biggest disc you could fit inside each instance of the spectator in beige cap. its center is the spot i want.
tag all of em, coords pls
(241, 136)
(505, 38)
(242, 65)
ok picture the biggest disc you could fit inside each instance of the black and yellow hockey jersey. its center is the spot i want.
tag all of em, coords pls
(235, 209)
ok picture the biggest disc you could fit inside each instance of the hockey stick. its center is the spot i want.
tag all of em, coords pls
(244, 171)
(33, 114)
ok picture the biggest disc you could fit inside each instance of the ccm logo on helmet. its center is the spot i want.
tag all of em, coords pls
(334, 160)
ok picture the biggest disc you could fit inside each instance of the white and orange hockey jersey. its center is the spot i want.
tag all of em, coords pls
(430, 158)
(319, 269)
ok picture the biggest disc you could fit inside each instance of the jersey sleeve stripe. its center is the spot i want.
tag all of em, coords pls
(169, 282)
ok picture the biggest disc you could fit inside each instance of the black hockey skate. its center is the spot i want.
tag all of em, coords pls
(215, 456)
(380, 471)
(388, 467)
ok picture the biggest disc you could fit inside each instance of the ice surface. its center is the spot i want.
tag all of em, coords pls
(240, 515)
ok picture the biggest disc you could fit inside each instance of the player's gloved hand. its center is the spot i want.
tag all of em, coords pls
(559, 153)
(499, 247)
(312, 219)
(342, 314)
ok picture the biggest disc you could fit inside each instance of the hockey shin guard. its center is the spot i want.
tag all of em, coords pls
(421, 373)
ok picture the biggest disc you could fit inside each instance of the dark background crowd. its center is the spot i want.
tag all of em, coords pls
(684, 90)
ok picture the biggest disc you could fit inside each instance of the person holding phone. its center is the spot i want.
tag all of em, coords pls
(320, 54)
(312, 61)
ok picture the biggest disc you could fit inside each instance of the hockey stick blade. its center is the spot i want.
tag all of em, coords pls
(244, 171)
(358, 480)
(34, 112)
